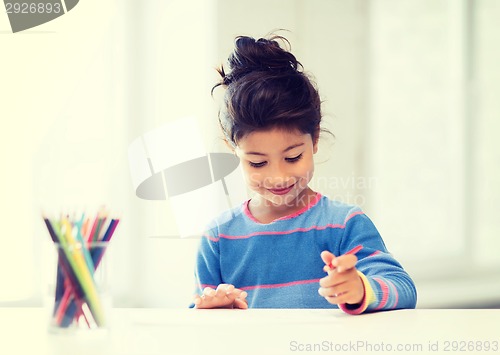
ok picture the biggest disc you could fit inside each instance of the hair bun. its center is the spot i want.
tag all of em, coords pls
(264, 55)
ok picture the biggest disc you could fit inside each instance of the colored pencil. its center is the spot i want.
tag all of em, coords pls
(76, 290)
(80, 269)
(352, 251)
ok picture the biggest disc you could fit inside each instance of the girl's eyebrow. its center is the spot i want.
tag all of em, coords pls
(284, 151)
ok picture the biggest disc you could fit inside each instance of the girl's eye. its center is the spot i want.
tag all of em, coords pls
(294, 159)
(257, 165)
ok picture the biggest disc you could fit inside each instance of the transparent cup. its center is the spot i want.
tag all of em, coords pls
(81, 297)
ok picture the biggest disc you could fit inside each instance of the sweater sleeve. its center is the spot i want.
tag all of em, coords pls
(207, 272)
(387, 285)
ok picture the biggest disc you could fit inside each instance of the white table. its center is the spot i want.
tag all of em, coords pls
(188, 331)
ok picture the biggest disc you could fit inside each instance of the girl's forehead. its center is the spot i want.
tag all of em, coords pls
(275, 138)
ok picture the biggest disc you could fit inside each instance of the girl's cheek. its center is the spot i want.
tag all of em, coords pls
(253, 179)
(255, 182)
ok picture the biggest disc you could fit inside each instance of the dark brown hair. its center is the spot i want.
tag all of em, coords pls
(266, 88)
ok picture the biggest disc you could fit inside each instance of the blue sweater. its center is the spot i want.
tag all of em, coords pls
(279, 263)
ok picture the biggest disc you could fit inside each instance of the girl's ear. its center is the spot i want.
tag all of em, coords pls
(316, 140)
(315, 147)
(230, 146)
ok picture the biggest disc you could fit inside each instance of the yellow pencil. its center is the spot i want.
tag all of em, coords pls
(82, 272)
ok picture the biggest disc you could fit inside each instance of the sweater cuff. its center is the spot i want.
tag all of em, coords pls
(367, 299)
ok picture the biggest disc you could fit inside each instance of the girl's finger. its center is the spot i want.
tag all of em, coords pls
(345, 262)
(239, 303)
(209, 292)
(197, 300)
(331, 291)
(221, 290)
(327, 257)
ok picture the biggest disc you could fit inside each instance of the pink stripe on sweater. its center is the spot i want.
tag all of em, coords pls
(271, 233)
(209, 237)
(247, 212)
(225, 236)
(311, 204)
(385, 293)
(396, 295)
(352, 215)
(302, 210)
(287, 284)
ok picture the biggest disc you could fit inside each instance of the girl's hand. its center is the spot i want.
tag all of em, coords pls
(342, 284)
(225, 296)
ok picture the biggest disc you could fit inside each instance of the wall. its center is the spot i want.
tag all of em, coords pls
(409, 92)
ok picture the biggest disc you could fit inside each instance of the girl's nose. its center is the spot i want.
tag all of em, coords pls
(278, 178)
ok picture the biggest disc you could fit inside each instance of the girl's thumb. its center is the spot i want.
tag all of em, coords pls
(327, 257)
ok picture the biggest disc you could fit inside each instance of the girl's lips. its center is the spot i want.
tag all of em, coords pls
(282, 191)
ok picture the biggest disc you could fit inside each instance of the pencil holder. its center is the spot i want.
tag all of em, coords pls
(81, 299)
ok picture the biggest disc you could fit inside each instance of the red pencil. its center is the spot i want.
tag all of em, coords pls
(352, 251)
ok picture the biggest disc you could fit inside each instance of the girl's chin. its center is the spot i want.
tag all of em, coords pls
(288, 200)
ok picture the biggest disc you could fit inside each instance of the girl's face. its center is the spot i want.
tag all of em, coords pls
(277, 164)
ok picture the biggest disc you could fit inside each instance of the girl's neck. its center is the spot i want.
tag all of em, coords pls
(266, 212)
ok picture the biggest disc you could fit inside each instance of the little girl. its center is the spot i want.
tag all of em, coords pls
(286, 246)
